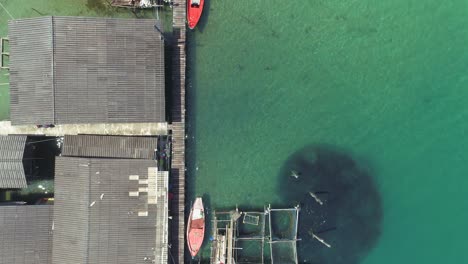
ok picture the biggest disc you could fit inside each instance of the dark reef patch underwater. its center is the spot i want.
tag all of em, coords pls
(351, 214)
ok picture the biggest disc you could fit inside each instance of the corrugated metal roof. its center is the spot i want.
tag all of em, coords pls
(162, 218)
(109, 146)
(105, 70)
(26, 234)
(71, 214)
(106, 211)
(31, 71)
(11, 162)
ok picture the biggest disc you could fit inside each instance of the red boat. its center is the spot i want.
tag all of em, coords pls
(194, 11)
(196, 227)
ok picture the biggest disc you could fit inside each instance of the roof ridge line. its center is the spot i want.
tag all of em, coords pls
(53, 68)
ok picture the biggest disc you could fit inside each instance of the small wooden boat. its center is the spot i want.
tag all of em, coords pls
(194, 11)
(196, 227)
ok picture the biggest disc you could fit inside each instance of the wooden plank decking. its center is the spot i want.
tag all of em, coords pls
(178, 131)
(114, 129)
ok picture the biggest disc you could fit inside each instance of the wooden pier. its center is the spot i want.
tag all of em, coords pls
(178, 131)
(231, 236)
(224, 236)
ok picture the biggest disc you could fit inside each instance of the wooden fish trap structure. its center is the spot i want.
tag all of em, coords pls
(267, 236)
(224, 234)
(4, 53)
(252, 237)
(251, 219)
(283, 225)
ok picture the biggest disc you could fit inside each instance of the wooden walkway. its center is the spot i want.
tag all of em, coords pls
(124, 129)
(178, 131)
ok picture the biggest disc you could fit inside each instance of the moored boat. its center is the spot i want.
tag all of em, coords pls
(194, 11)
(196, 227)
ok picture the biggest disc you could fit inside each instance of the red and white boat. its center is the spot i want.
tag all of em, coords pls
(194, 11)
(196, 227)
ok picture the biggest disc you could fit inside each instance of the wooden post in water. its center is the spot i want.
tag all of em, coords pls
(316, 198)
(230, 238)
(2, 53)
(319, 239)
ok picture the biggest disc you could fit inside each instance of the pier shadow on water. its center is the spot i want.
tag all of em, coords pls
(191, 149)
(351, 214)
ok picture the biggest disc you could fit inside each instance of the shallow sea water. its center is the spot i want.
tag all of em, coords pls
(383, 81)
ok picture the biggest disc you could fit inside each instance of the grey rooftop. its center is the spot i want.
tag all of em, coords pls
(110, 146)
(73, 70)
(26, 234)
(11, 162)
(109, 211)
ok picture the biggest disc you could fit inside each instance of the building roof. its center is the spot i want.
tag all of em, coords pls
(66, 70)
(11, 162)
(110, 146)
(26, 234)
(109, 211)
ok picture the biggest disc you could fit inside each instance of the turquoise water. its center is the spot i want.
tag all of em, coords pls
(387, 81)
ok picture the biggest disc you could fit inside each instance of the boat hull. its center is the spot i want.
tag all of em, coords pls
(196, 227)
(194, 13)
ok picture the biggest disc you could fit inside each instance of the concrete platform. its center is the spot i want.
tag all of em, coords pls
(124, 129)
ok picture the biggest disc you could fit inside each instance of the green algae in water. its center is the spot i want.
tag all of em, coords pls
(351, 214)
(385, 79)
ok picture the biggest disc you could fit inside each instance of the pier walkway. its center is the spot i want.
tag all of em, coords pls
(178, 131)
(121, 129)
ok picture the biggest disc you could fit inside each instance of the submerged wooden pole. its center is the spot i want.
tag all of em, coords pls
(316, 198)
(319, 239)
(295, 174)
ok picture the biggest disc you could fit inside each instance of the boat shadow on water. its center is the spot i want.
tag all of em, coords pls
(340, 204)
